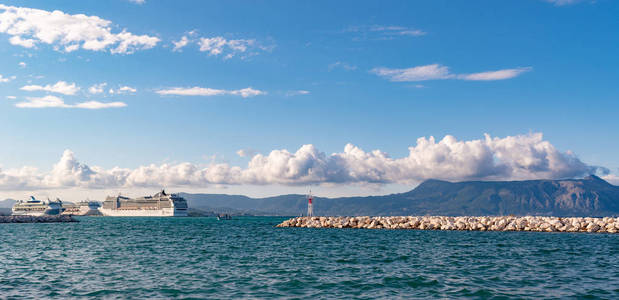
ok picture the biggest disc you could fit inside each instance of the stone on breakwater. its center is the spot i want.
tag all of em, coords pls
(502, 223)
(37, 219)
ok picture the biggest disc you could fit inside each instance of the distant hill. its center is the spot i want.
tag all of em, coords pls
(5, 206)
(7, 203)
(591, 196)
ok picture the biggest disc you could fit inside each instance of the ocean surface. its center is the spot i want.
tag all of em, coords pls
(247, 257)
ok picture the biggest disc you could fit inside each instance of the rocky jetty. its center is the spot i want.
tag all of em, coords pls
(503, 223)
(38, 219)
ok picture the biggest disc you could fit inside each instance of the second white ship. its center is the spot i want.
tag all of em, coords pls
(158, 205)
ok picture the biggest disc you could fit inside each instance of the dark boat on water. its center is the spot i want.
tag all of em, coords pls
(224, 217)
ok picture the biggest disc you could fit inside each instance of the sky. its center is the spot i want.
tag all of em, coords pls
(272, 97)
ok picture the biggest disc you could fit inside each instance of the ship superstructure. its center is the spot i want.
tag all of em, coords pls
(158, 205)
(82, 208)
(34, 207)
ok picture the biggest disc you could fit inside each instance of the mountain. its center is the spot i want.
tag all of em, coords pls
(590, 196)
(5, 206)
(7, 203)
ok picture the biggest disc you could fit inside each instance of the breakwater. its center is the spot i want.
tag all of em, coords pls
(498, 223)
(37, 219)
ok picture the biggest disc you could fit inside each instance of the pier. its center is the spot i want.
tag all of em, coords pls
(496, 223)
(38, 219)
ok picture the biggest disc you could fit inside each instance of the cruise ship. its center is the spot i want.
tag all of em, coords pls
(158, 205)
(82, 208)
(34, 207)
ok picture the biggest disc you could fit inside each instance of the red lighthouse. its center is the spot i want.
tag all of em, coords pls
(310, 206)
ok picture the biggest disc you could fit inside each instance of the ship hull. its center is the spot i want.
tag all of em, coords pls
(163, 212)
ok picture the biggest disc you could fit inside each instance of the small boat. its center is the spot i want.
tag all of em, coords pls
(224, 217)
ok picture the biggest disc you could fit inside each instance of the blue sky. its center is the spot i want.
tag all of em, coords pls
(275, 75)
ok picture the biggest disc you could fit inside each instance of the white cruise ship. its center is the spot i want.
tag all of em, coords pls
(83, 208)
(158, 205)
(34, 207)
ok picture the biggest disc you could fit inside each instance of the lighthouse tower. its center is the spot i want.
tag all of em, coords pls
(310, 206)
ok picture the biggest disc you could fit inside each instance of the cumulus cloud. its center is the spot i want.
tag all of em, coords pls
(97, 88)
(200, 91)
(138, 1)
(246, 152)
(219, 45)
(436, 71)
(53, 101)
(22, 64)
(29, 27)
(510, 158)
(61, 87)
(11, 97)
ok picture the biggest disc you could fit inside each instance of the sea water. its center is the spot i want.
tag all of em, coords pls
(247, 257)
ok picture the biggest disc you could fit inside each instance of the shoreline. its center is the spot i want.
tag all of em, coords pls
(464, 223)
(38, 219)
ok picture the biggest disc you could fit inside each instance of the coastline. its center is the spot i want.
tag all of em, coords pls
(468, 223)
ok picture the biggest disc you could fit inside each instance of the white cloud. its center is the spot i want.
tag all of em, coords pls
(612, 178)
(246, 152)
(138, 1)
(510, 158)
(219, 45)
(343, 65)
(126, 89)
(397, 30)
(61, 87)
(11, 97)
(436, 71)
(495, 75)
(382, 32)
(22, 64)
(184, 41)
(29, 27)
(563, 2)
(200, 91)
(297, 93)
(97, 88)
(99, 105)
(420, 73)
(42, 102)
(53, 101)
(4, 79)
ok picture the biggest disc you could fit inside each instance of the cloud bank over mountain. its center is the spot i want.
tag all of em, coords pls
(511, 158)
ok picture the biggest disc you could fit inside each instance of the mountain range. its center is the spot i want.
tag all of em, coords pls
(590, 196)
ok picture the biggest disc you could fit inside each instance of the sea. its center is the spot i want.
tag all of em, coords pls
(247, 257)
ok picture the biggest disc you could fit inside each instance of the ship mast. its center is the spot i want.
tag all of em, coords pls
(310, 205)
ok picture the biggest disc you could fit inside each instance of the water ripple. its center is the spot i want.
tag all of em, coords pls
(117, 258)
